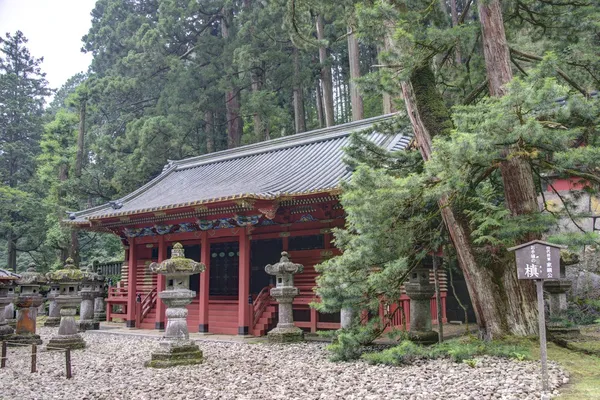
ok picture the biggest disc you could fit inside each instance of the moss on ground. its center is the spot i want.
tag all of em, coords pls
(584, 371)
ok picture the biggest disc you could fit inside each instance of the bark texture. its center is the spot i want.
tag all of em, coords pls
(353, 58)
(517, 176)
(326, 80)
(501, 303)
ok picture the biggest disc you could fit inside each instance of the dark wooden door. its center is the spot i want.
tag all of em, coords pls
(263, 252)
(224, 269)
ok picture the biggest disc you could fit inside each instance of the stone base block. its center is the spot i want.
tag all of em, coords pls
(12, 322)
(557, 329)
(286, 335)
(85, 325)
(67, 342)
(424, 337)
(101, 317)
(189, 354)
(96, 325)
(5, 332)
(25, 338)
(52, 321)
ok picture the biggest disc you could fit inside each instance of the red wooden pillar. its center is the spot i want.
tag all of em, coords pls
(204, 284)
(132, 283)
(244, 284)
(161, 283)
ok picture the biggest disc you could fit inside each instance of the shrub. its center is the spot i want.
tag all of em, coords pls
(457, 350)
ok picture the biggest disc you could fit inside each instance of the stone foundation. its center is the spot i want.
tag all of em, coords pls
(425, 337)
(67, 342)
(172, 356)
(286, 335)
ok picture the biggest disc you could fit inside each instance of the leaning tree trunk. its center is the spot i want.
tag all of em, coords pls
(353, 58)
(501, 306)
(326, 79)
(11, 252)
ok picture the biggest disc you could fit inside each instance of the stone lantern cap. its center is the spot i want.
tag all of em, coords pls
(284, 266)
(7, 277)
(69, 273)
(31, 277)
(177, 265)
(90, 276)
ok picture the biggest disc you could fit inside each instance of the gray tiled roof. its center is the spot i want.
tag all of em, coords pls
(304, 163)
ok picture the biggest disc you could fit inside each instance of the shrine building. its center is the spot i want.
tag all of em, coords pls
(235, 211)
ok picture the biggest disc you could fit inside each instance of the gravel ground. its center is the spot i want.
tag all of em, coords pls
(112, 368)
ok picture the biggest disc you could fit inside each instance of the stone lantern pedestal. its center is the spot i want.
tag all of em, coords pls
(284, 293)
(27, 304)
(53, 308)
(176, 348)
(558, 295)
(7, 296)
(99, 310)
(420, 290)
(69, 278)
(88, 294)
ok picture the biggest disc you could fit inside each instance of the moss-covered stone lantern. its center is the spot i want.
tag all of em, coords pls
(7, 296)
(284, 292)
(88, 293)
(420, 290)
(68, 279)
(27, 304)
(176, 348)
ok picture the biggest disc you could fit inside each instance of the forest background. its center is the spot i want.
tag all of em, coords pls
(172, 79)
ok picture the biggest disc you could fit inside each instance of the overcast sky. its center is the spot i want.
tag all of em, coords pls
(54, 29)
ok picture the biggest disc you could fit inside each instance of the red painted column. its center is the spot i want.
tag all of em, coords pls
(244, 284)
(132, 284)
(204, 284)
(161, 283)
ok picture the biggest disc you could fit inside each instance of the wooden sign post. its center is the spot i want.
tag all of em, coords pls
(539, 260)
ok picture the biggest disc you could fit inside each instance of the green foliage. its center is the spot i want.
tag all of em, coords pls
(461, 350)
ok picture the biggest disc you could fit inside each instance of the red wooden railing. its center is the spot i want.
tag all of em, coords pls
(117, 293)
(262, 301)
(145, 306)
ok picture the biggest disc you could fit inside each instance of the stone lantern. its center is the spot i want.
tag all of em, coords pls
(7, 296)
(88, 293)
(68, 278)
(176, 348)
(27, 303)
(99, 310)
(284, 292)
(420, 290)
(53, 307)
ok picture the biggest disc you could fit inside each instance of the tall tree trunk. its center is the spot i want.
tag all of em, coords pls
(234, 120)
(256, 84)
(388, 100)
(517, 177)
(80, 139)
(298, 96)
(319, 103)
(63, 175)
(501, 306)
(209, 126)
(326, 80)
(74, 247)
(454, 12)
(11, 252)
(232, 96)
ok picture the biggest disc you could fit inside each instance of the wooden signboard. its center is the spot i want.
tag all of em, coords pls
(539, 260)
